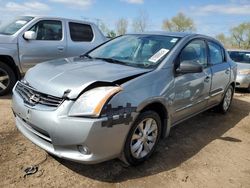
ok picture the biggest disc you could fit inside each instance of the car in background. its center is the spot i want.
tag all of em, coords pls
(242, 58)
(119, 99)
(28, 40)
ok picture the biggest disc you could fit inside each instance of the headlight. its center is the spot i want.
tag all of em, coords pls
(245, 71)
(91, 102)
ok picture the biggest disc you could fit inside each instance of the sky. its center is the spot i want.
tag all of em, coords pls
(211, 17)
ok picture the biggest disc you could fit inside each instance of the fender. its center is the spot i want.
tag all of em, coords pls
(11, 51)
(166, 120)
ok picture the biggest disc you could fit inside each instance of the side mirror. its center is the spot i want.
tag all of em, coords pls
(189, 67)
(29, 35)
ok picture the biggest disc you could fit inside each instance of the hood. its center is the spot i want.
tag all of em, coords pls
(75, 74)
(241, 66)
(6, 39)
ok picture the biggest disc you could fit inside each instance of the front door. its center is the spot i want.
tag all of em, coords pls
(49, 43)
(192, 89)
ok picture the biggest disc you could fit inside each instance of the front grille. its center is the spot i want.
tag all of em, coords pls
(32, 97)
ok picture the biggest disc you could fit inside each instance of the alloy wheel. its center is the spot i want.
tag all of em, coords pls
(227, 99)
(4, 79)
(144, 138)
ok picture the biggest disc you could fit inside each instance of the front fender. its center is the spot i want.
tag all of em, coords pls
(11, 51)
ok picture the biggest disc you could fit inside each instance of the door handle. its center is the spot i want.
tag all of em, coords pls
(227, 71)
(207, 79)
(60, 48)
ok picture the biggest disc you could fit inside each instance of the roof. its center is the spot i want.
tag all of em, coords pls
(176, 34)
(61, 18)
(238, 50)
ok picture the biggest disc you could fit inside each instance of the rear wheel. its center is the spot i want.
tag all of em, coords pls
(7, 79)
(227, 100)
(143, 137)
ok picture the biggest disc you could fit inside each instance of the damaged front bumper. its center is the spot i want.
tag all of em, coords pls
(84, 140)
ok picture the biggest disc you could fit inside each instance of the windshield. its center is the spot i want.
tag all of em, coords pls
(241, 57)
(13, 26)
(144, 51)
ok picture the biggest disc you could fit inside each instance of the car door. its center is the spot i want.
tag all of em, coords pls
(192, 89)
(49, 43)
(220, 72)
(80, 38)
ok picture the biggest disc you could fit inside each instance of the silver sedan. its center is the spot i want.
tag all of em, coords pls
(119, 99)
(242, 58)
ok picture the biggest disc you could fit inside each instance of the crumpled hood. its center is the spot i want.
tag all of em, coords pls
(75, 74)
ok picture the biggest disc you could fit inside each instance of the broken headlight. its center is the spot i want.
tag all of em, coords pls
(91, 102)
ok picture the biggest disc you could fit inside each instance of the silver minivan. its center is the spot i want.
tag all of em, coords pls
(119, 99)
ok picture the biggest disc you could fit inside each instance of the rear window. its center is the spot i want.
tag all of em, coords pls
(80, 32)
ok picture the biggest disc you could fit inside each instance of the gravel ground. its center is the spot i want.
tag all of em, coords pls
(209, 150)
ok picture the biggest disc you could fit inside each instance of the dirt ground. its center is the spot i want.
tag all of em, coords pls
(209, 150)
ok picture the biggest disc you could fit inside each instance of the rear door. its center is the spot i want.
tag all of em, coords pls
(49, 43)
(220, 72)
(80, 38)
(192, 89)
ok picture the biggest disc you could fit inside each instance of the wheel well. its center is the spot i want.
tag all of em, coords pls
(161, 111)
(11, 63)
(233, 84)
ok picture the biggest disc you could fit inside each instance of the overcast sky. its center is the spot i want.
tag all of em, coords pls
(211, 16)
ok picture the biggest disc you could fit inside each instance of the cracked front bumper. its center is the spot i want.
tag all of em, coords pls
(61, 135)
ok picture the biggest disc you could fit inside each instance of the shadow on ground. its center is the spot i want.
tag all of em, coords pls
(6, 96)
(241, 91)
(185, 141)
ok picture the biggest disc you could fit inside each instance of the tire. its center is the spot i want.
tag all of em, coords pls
(248, 89)
(227, 100)
(140, 145)
(7, 79)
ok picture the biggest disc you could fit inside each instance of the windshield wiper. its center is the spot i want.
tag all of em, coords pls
(111, 60)
(86, 55)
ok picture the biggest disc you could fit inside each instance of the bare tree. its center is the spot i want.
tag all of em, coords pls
(141, 22)
(179, 23)
(103, 27)
(226, 41)
(241, 35)
(121, 26)
(111, 34)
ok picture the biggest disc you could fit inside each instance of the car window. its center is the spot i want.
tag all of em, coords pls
(195, 51)
(80, 32)
(241, 57)
(48, 30)
(216, 54)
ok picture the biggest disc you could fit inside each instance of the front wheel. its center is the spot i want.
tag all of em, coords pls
(142, 138)
(248, 89)
(227, 100)
(7, 79)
